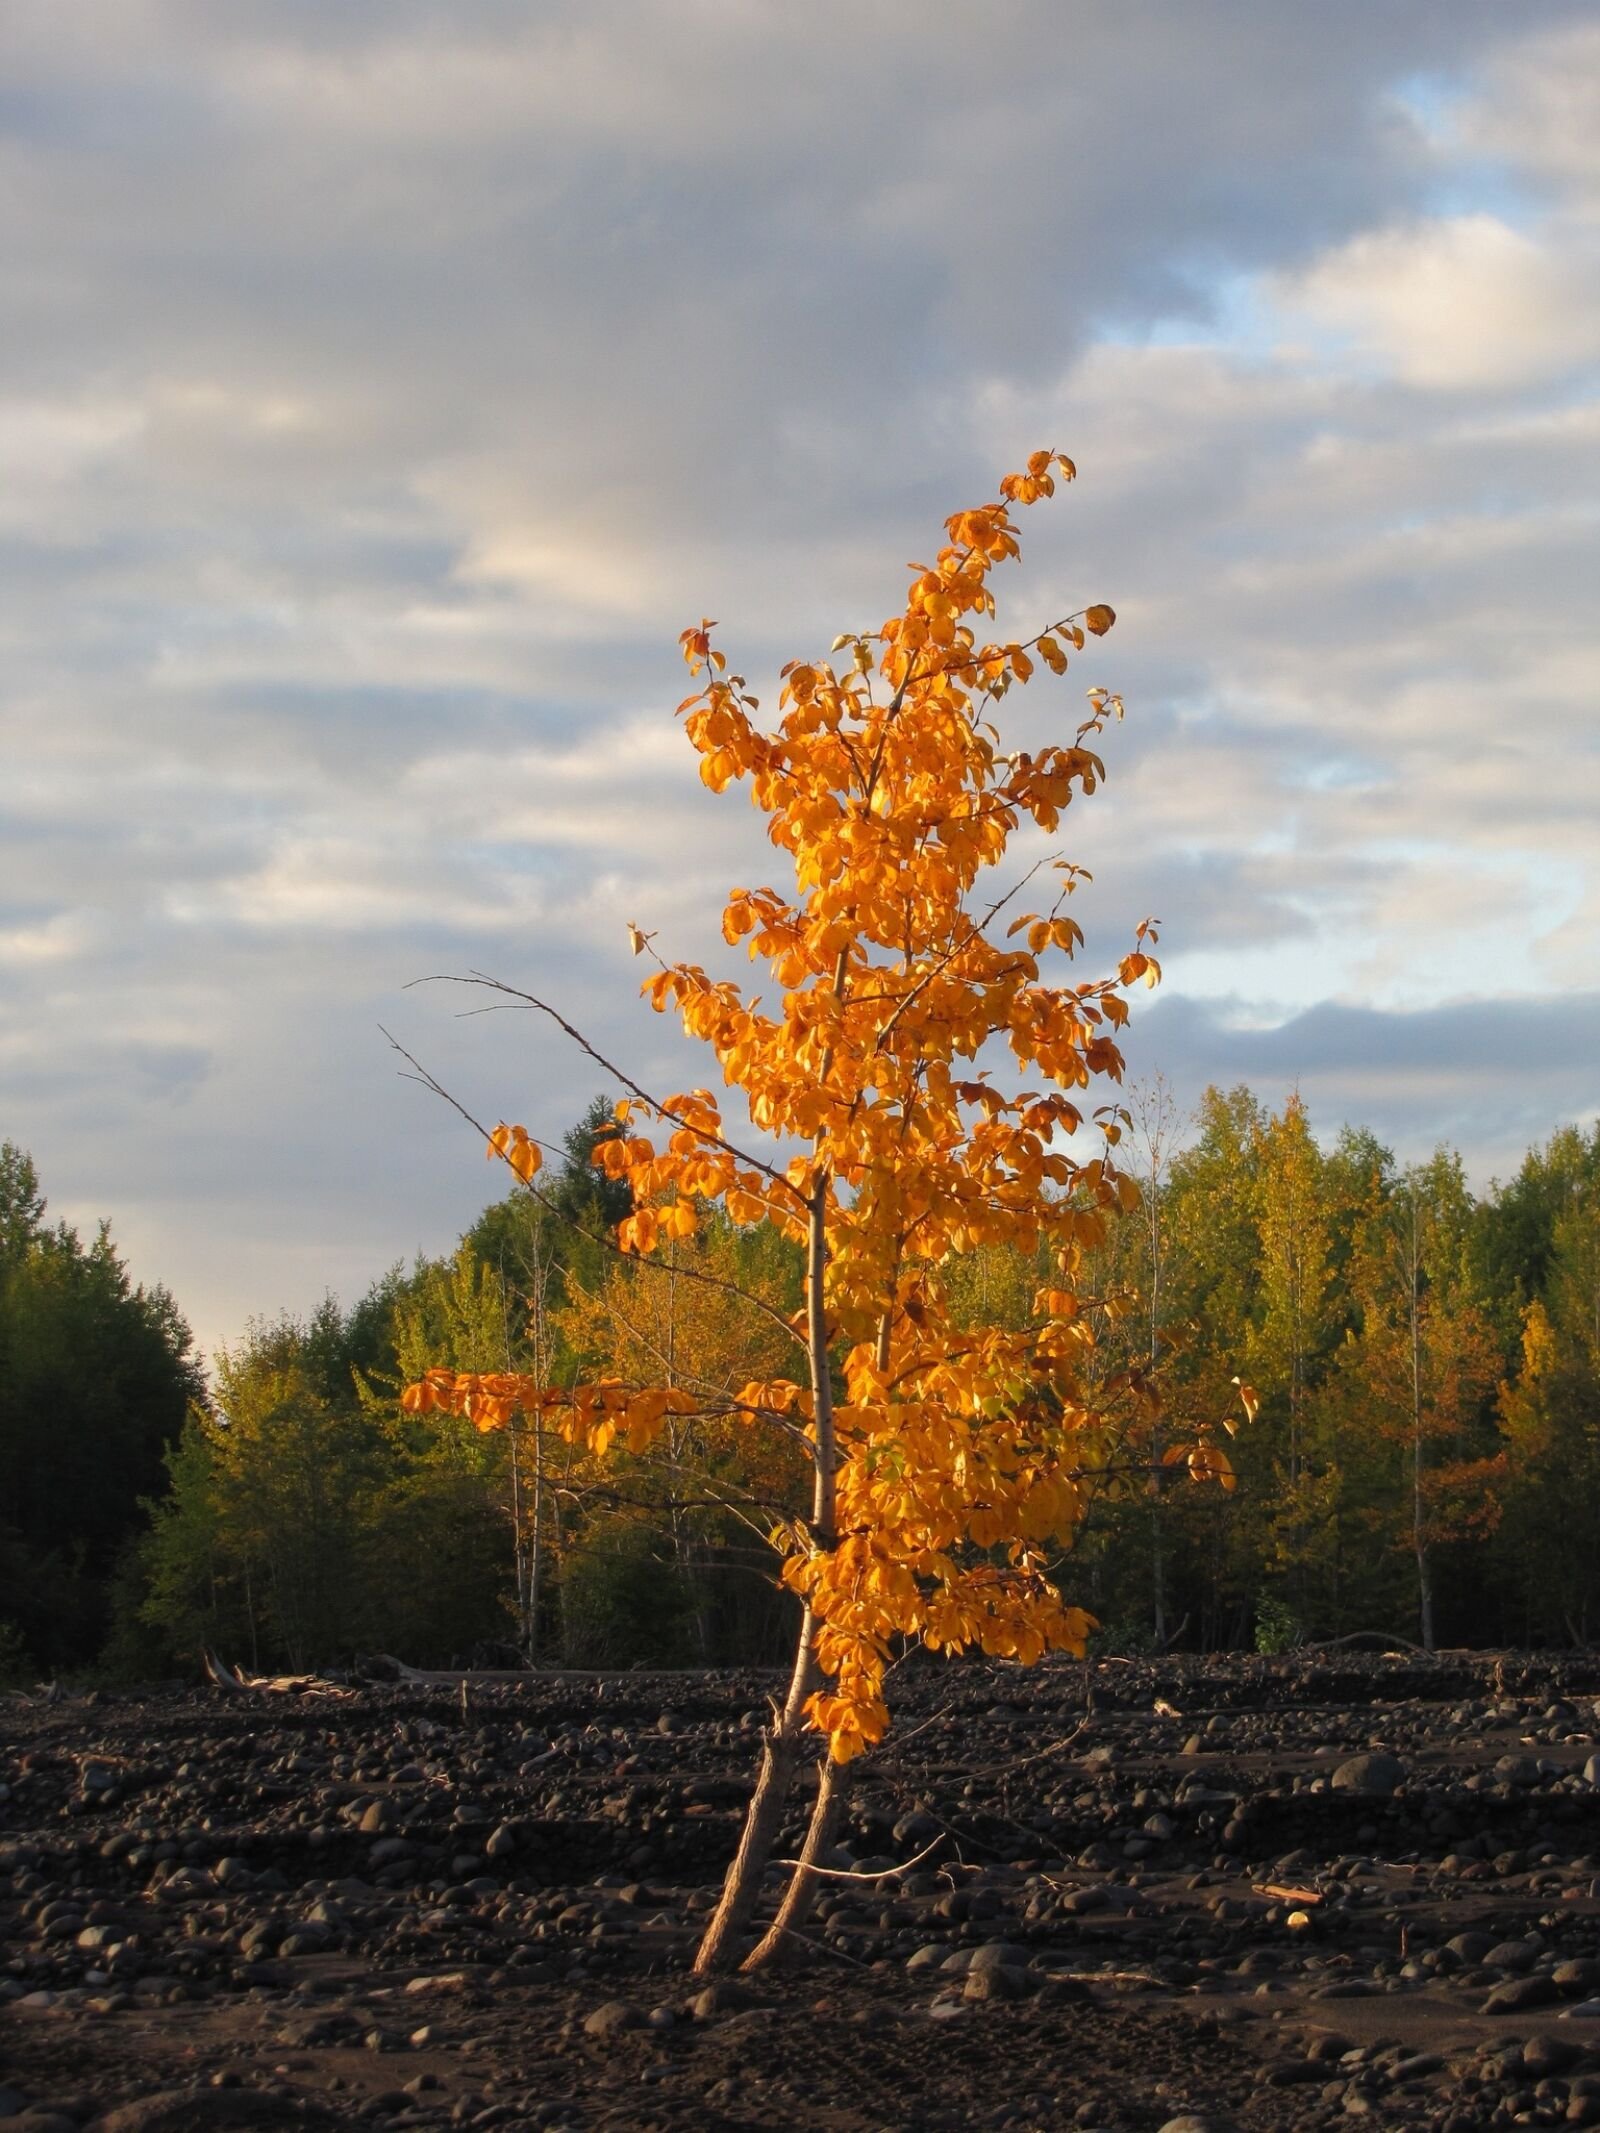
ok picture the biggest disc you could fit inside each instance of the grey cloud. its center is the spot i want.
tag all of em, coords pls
(385, 387)
(1488, 1076)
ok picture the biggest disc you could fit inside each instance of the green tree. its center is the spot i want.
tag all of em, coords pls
(1424, 1362)
(95, 1376)
(1550, 1424)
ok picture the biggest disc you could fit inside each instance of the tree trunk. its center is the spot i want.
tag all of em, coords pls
(801, 1892)
(779, 1756)
(742, 1886)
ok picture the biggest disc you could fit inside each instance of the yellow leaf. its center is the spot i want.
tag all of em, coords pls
(1098, 620)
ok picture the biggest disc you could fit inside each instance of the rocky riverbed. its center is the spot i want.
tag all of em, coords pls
(1234, 1895)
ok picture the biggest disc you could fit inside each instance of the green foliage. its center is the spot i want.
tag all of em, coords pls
(16, 1668)
(1278, 1627)
(1428, 1364)
(95, 1375)
(623, 1600)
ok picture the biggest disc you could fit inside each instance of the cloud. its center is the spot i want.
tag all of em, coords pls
(1458, 302)
(1487, 1075)
(382, 391)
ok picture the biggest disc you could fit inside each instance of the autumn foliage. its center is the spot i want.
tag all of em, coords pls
(949, 1463)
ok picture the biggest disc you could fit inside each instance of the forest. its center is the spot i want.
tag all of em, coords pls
(1424, 1460)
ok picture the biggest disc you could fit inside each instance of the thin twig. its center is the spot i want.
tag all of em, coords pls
(855, 1873)
(532, 1001)
(597, 1237)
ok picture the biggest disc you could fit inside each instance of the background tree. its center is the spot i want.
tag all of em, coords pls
(95, 1376)
(1550, 1424)
(709, 1481)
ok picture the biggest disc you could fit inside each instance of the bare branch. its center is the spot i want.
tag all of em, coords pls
(532, 1002)
(605, 1242)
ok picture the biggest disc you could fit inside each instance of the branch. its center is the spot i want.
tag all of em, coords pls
(605, 1242)
(531, 1000)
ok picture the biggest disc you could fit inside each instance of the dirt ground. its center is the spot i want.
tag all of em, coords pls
(1234, 1894)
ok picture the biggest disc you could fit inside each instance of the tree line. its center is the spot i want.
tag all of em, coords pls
(1425, 1458)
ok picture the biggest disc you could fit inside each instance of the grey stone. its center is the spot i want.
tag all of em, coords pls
(193, 2110)
(1001, 1981)
(917, 1829)
(1375, 1775)
(1519, 1994)
(612, 2017)
(1545, 2054)
(725, 1996)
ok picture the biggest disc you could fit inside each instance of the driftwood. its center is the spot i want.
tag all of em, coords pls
(1387, 1641)
(380, 1667)
(237, 1683)
(51, 1692)
(433, 1677)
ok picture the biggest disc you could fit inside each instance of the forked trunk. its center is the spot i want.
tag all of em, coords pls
(720, 1946)
(801, 1892)
(741, 1889)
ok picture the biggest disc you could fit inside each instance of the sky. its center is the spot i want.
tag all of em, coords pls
(384, 386)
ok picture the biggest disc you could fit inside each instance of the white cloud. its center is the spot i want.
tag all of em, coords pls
(382, 392)
(1458, 302)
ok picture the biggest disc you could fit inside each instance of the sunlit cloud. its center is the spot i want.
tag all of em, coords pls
(382, 391)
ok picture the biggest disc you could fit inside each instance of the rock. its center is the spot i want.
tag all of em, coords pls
(194, 2110)
(1000, 1981)
(1290, 2073)
(1517, 1770)
(1549, 2055)
(1191, 2122)
(723, 1996)
(998, 1955)
(1081, 1902)
(1513, 1955)
(1065, 1992)
(1591, 1771)
(1519, 1994)
(611, 2018)
(1375, 1775)
(1545, 2054)
(917, 1830)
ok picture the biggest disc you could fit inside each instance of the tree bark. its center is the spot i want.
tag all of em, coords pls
(742, 1885)
(801, 1892)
